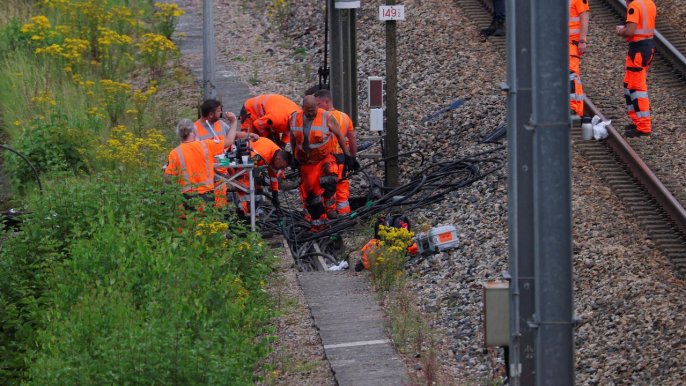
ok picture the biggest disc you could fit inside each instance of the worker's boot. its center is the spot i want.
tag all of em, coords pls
(488, 31)
(499, 28)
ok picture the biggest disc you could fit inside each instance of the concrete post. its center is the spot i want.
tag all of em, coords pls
(209, 86)
(392, 169)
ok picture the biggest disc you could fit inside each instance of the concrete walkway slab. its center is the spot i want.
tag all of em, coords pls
(233, 91)
(351, 326)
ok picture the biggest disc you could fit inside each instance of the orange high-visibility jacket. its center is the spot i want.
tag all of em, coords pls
(346, 125)
(264, 149)
(643, 13)
(203, 132)
(322, 142)
(270, 111)
(576, 8)
(195, 161)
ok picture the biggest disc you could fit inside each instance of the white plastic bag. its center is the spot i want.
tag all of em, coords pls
(599, 128)
(343, 265)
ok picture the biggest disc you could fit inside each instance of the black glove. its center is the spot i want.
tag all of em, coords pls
(275, 199)
(356, 164)
(350, 162)
(295, 165)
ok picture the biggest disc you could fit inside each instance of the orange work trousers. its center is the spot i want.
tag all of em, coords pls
(342, 187)
(318, 189)
(576, 91)
(635, 87)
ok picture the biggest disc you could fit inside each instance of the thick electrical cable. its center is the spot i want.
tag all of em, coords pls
(35, 172)
(427, 186)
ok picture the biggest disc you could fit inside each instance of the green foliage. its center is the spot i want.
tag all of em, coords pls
(388, 256)
(279, 11)
(167, 16)
(50, 144)
(106, 285)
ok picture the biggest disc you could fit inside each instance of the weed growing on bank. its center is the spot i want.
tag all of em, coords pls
(69, 81)
(105, 284)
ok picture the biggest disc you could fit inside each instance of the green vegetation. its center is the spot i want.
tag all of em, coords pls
(104, 283)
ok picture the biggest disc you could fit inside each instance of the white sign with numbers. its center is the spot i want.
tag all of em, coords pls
(392, 12)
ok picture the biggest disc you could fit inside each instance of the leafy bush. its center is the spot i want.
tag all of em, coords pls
(388, 257)
(106, 285)
(167, 17)
(51, 144)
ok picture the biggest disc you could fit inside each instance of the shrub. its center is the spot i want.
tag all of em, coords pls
(387, 259)
(167, 17)
(50, 143)
(155, 50)
(105, 285)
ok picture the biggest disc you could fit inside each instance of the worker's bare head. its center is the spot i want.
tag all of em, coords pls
(185, 129)
(310, 107)
(324, 99)
(282, 159)
(211, 110)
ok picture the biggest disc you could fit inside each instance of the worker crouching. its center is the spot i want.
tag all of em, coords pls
(265, 152)
(312, 132)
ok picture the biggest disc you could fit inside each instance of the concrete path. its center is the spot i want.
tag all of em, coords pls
(351, 327)
(348, 317)
(233, 91)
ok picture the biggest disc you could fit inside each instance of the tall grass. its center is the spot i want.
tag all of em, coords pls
(74, 71)
(19, 9)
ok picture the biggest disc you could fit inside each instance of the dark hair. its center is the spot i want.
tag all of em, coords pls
(209, 106)
(323, 93)
(284, 156)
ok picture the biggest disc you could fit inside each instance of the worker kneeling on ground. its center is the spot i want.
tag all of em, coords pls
(193, 161)
(268, 116)
(312, 130)
(265, 152)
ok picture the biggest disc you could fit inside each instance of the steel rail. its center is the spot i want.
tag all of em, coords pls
(642, 172)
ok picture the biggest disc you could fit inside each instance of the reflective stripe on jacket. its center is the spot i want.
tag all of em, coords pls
(346, 125)
(576, 8)
(265, 149)
(641, 12)
(195, 161)
(203, 132)
(321, 140)
(270, 112)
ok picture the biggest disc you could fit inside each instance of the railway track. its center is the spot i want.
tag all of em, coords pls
(654, 199)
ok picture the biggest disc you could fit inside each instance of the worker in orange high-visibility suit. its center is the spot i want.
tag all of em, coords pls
(638, 31)
(578, 32)
(210, 126)
(324, 101)
(268, 115)
(265, 152)
(312, 133)
(192, 162)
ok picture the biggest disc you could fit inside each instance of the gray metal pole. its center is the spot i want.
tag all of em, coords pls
(335, 56)
(343, 50)
(208, 84)
(521, 368)
(554, 337)
(392, 170)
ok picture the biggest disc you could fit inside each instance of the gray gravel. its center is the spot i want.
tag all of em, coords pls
(631, 302)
